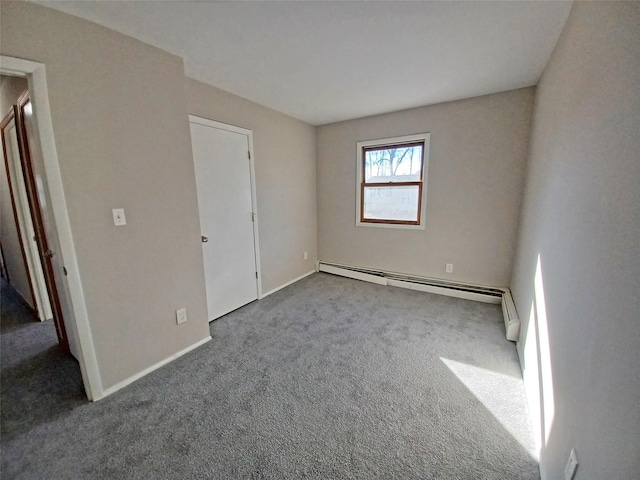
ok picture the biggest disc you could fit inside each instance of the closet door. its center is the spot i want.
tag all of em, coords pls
(227, 214)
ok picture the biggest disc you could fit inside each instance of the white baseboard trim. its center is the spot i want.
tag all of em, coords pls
(511, 320)
(467, 291)
(367, 277)
(118, 386)
(286, 284)
(476, 297)
(520, 356)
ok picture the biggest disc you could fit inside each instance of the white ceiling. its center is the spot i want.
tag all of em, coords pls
(326, 61)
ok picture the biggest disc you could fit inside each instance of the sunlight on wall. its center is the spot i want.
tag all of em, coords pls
(488, 387)
(544, 354)
(537, 371)
(531, 375)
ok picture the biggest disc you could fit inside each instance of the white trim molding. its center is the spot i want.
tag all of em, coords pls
(355, 274)
(511, 320)
(446, 291)
(286, 284)
(467, 291)
(128, 381)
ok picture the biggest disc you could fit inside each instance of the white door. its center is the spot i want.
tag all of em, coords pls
(27, 232)
(223, 168)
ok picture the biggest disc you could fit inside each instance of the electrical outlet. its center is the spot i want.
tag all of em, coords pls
(181, 316)
(449, 268)
(572, 465)
(306, 255)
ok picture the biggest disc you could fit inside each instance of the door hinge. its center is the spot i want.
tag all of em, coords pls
(253, 217)
(256, 275)
(249, 154)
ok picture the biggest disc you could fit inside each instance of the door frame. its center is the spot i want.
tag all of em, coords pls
(43, 244)
(252, 174)
(76, 318)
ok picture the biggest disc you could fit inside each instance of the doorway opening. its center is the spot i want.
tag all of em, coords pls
(60, 249)
(21, 197)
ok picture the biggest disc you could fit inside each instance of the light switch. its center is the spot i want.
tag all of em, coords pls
(181, 316)
(118, 216)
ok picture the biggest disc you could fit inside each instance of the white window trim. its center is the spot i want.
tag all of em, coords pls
(425, 169)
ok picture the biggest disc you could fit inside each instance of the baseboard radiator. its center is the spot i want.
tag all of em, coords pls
(477, 293)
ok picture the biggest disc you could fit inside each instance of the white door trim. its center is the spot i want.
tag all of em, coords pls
(35, 74)
(252, 174)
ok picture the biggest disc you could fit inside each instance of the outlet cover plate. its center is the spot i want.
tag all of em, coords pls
(572, 465)
(181, 315)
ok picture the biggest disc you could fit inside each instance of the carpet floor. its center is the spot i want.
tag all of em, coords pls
(328, 378)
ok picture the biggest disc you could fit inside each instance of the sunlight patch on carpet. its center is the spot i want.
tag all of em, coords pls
(489, 387)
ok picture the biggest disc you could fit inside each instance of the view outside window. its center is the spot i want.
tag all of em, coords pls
(400, 164)
(391, 203)
(392, 183)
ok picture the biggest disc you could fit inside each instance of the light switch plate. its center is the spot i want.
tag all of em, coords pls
(181, 316)
(118, 216)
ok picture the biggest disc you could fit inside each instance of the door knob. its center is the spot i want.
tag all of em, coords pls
(48, 254)
(204, 239)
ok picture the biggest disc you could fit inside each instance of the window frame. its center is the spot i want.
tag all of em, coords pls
(387, 143)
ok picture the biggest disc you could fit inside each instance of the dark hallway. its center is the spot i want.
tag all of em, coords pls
(37, 380)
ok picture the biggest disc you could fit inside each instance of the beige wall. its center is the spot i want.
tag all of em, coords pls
(581, 217)
(477, 163)
(10, 89)
(120, 123)
(285, 167)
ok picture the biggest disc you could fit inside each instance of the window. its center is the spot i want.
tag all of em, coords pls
(391, 181)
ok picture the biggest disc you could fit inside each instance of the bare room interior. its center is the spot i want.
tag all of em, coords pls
(320, 239)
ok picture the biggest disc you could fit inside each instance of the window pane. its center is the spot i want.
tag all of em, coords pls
(391, 203)
(397, 164)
